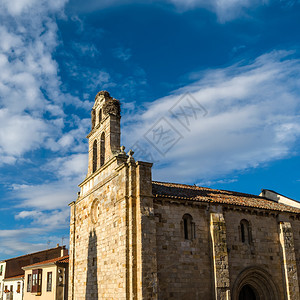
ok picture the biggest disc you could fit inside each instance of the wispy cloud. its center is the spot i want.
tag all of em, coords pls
(221, 181)
(253, 118)
(32, 103)
(225, 9)
(122, 53)
(30, 86)
(44, 207)
(86, 49)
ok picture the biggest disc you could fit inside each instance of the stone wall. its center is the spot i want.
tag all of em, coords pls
(127, 244)
(100, 239)
(263, 251)
(296, 234)
(189, 269)
(183, 266)
(112, 234)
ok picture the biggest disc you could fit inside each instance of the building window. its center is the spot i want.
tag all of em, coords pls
(102, 149)
(100, 116)
(93, 118)
(29, 283)
(49, 281)
(1, 269)
(11, 288)
(19, 287)
(95, 156)
(188, 227)
(36, 281)
(245, 232)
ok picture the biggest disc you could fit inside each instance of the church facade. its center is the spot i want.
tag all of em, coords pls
(135, 238)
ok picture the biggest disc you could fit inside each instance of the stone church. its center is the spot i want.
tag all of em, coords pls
(135, 238)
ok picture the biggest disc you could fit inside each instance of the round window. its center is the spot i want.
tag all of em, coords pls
(95, 211)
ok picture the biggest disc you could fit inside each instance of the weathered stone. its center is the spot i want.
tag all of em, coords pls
(126, 243)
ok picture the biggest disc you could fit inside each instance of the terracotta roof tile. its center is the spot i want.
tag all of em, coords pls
(14, 277)
(61, 259)
(204, 194)
(30, 254)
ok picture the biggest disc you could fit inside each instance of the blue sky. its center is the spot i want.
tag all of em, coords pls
(239, 61)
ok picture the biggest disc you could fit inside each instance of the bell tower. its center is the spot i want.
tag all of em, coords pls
(104, 138)
(112, 225)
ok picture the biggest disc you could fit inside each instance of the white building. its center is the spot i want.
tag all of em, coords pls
(2, 275)
(272, 195)
(12, 274)
(13, 288)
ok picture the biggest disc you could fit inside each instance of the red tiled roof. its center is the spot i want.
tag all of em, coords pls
(204, 194)
(65, 260)
(14, 277)
(30, 254)
(61, 259)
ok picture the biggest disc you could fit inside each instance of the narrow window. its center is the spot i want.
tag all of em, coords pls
(49, 281)
(186, 231)
(36, 281)
(94, 261)
(102, 149)
(11, 288)
(245, 232)
(39, 281)
(95, 156)
(188, 227)
(1, 269)
(19, 287)
(93, 118)
(100, 115)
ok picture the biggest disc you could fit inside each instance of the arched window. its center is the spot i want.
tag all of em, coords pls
(100, 116)
(93, 118)
(188, 227)
(95, 156)
(102, 149)
(245, 232)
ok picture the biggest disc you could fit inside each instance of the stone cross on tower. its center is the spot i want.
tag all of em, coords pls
(104, 138)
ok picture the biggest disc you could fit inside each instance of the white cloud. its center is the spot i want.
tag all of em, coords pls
(20, 133)
(55, 195)
(47, 196)
(44, 207)
(225, 9)
(210, 183)
(29, 83)
(122, 53)
(28, 240)
(73, 166)
(52, 220)
(86, 49)
(18, 7)
(253, 118)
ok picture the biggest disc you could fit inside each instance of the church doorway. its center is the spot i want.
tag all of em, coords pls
(247, 293)
(254, 284)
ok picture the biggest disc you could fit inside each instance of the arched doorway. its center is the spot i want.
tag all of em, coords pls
(254, 284)
(247, 293)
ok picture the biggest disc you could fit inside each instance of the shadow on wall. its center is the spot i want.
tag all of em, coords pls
(91, 292)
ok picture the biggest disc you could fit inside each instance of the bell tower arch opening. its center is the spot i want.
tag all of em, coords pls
(106, 116)
(102, 149)
(95, 156)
